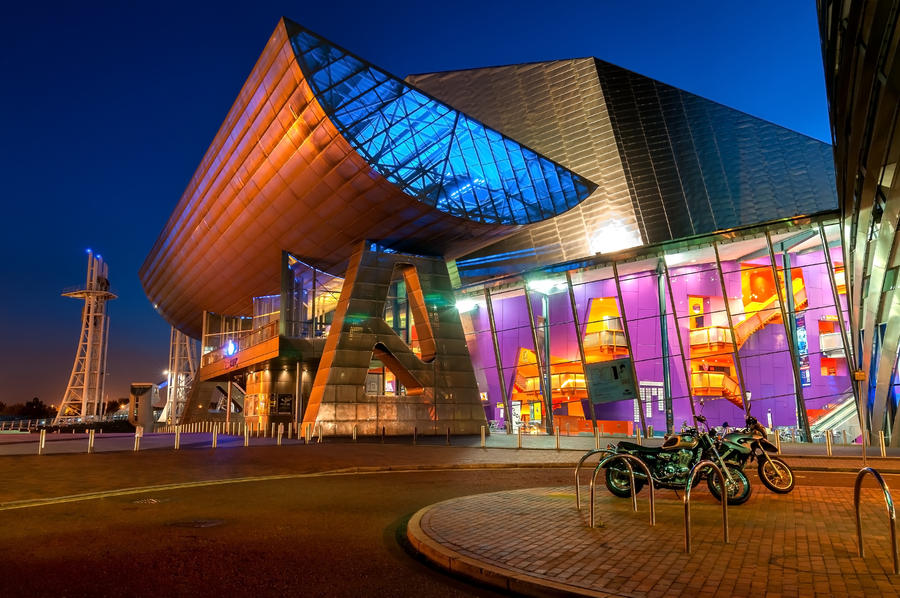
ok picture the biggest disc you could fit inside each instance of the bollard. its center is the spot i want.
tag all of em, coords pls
(138, 433)
(215, 436)
(519, 437)
(246, 436)
(777, 442)
(597, 438)
(273, 429)
(828, 442)
(42, 442)
(354, 433)
(415, 435)
(556, 433)
(321, 433)
(308, 434)
(865, 445)
(844, 433)
(639, 439)
(177, 437)
(881, 442)
(91, 440)
(280, 432)
(382, 434)
(448, 436)
(482, 437)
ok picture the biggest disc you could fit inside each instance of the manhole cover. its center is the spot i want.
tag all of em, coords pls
(198, 523)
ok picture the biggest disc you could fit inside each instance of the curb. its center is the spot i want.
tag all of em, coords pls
(470, 569)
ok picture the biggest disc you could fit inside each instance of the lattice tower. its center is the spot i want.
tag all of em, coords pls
(183, 351)
(83, 398)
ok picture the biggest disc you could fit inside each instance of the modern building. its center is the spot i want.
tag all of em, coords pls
(859, 47)
(559, 244)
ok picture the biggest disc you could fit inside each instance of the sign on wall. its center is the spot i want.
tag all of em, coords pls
(609, 381)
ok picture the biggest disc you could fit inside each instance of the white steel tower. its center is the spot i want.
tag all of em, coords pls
(84, 394)
(182, 368)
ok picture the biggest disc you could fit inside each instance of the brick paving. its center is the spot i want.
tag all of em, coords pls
(535, 541)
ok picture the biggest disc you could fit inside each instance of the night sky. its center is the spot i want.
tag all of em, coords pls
(107, 108)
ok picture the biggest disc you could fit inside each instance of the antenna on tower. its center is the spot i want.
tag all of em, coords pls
(84, 394)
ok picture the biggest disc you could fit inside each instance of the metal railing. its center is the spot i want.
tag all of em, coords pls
(626, 458)
(723, 493)
(578, 468)
(892, 516)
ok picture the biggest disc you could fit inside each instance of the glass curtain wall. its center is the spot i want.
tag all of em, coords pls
(702, 330)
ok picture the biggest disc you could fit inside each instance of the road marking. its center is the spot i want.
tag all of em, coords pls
(57, 500)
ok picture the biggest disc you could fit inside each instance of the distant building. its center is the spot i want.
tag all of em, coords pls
(561, 243)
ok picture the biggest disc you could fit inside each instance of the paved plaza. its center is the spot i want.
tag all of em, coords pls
(487, 521)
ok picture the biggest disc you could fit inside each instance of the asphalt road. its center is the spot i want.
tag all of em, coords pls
(332, 535)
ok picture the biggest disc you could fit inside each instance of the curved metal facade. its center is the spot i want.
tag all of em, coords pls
(286, 172)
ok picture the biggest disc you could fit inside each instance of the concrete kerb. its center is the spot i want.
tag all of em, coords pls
(484, 573)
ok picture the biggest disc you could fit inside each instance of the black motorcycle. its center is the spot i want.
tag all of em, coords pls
(671, 464)
(743, 446)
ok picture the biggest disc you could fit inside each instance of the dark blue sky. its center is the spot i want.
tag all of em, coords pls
(107, 108)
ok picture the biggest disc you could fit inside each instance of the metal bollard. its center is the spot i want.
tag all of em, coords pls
(138, 434)
(321, 433)
(556, 434)
(881, 442)
(828, 442)
(246, 436)
(42, 442)
(273, 429)
(354, 433)
(844, 433)
(415, 435)
(382, 434)
(778, 442)
(91, 440)
(639, 439)
(280, 433)
(482, 437)
(177, 437)
(448, 436)
(519, 437)
(597, 438)
(215, 436)
(308, 435)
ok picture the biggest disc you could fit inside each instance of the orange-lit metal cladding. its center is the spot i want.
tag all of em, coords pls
(279, 175)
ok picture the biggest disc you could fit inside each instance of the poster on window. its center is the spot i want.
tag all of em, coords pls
(609, 381)
(803, 351)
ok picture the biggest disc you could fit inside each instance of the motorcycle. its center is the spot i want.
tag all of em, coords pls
(743, 446)
(671, 464)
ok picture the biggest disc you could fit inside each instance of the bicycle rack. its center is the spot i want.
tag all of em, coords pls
(892, 516)
(626, 458)
(687, 502)
(578, 467)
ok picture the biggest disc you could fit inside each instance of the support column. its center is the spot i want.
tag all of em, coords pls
(580, 338)
(545, 388)
(802, 419)
(687, 371)
(664, 339)
(637, 384)
(507, 406)
(734, 347)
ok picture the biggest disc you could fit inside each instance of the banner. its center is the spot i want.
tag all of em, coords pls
(609, 381)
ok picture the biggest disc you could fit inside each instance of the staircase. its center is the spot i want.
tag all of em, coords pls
(842, 416)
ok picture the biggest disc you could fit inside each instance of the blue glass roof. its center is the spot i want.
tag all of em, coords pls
(431, 151)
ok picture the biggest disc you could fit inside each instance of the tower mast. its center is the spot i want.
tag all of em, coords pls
(84, 394)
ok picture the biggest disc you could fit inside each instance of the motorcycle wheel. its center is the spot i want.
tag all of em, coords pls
(776, 475)
(740, 488)
(619, 482)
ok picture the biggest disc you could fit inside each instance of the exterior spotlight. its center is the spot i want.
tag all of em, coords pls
(466, 305)
(545, 286)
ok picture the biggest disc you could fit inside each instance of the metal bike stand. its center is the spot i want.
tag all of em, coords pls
(892, 516)
(687, 502)
(643, 465)
(578, 467)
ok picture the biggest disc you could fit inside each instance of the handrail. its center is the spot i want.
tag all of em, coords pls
(687, 501)
(578, 467)
(892, 516)
(626, 457)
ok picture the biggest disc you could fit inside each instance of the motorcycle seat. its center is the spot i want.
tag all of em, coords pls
(631, 446)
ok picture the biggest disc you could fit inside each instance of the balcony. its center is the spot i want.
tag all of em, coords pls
(249, 339)
(716, 384)
(831, 345)
(605, 344)
(710, 340)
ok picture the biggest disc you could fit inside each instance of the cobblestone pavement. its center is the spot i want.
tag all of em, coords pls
(534, 541)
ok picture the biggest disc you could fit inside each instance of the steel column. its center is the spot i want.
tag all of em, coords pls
(580, 338)
(684, 365)
(802, 419)
(548, 399)
(734, 347)
(637, 385)
(496, 342)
